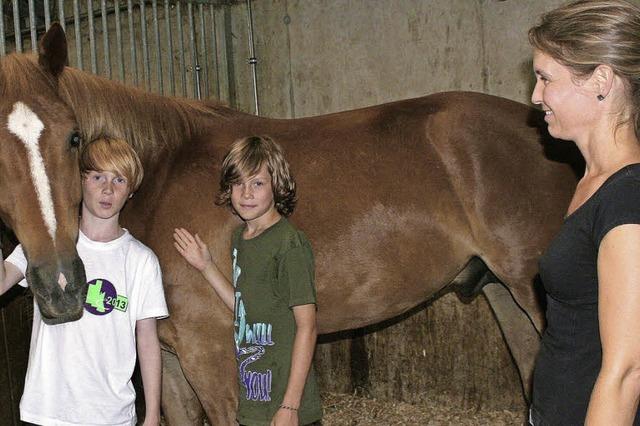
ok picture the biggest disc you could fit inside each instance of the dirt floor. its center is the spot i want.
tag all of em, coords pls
(348, 410)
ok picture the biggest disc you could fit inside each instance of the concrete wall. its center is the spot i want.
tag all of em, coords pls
(324, 56)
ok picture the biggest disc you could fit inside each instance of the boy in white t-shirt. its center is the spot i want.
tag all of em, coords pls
(80, 372)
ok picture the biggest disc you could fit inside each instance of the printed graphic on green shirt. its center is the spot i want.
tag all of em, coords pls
(251, 340)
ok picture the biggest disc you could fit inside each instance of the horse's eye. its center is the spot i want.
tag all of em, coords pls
(75, 140)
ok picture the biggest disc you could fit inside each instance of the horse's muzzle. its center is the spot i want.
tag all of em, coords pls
(57, 305)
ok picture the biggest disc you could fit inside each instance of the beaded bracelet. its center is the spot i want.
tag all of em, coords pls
(286, 407)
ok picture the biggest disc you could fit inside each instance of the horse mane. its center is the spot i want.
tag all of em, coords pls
(17, 76)
(149, 122)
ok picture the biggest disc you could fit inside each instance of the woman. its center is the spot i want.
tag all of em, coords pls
(587, 67)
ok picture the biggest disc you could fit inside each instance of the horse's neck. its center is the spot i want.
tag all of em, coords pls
(155, 126)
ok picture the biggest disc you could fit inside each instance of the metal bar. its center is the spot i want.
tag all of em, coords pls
(77, 35)
(167, 17)
(119, 53)
(16, 26)
(32, 27)
(61, 18)
(47, 15)
(214, 44)
(183, 71)
(105, 38)
(92, 37)
(194, 53)
(228, 89)
(156, 33)
(203, 46)
(145, 46)
(132, 42)
(253, 61)
(3, 48)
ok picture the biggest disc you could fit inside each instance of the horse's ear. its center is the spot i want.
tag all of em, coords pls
(52, 50)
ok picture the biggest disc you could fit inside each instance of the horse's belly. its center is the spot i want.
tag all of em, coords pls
(385, 264)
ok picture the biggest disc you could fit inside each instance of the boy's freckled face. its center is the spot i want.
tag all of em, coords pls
(252, 197)
(103, 194)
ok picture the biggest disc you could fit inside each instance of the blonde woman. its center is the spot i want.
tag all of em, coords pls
(586, 58)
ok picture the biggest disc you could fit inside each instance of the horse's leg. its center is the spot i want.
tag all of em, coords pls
(180, 405)
(518, 330)
(206, 354)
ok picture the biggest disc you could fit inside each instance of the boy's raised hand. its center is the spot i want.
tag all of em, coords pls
(193, 249)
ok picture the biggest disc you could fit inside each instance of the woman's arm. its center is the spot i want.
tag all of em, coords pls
(304, 345)
(150, 368)
(614, 399)
(196, 252)
(9, 275)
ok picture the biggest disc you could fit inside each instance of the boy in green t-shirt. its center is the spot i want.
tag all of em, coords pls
(273, 293)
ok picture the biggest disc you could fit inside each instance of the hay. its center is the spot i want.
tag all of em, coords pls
(350, 410)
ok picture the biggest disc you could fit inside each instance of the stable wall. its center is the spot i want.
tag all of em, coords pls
(323, 56)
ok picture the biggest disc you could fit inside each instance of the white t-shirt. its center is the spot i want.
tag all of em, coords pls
(80, 372)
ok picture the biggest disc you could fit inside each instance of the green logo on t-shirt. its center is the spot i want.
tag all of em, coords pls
(102, 298)
(95, 296)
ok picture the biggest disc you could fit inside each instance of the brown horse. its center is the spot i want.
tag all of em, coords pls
(399, 200)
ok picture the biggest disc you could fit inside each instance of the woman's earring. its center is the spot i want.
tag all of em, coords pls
(600, 98)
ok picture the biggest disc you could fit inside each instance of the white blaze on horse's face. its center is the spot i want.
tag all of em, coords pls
(26, 125)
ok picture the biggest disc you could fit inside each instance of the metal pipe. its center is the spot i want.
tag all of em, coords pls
(156, 33)
(214, 44)
(132, 42)
(92, 37)
(203, 45)
(194, 53)
(145, 46)
(167, 18)
(77, 33)
(183, 76)
(32, 27)
(119, 50)
(16, 26)
(105, 38)
(47, 15)
(3, 48)
(61, 18)
(253, 61)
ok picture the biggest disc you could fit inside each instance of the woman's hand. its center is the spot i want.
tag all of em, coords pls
(193, 249)
(285, 417)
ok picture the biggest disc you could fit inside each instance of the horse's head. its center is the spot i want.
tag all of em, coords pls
(39, 179)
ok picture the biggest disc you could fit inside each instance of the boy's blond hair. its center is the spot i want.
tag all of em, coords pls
(245, 158)
(112, 155)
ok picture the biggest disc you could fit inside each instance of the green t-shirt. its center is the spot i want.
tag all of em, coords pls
(271, 273)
